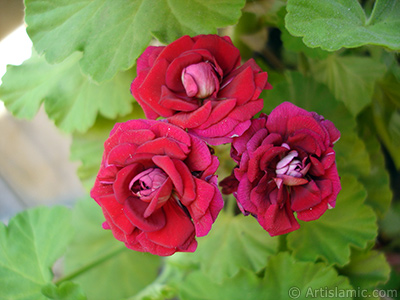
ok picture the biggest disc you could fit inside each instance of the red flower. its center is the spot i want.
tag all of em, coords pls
(286, 165)
(198, 84)
(156, 186)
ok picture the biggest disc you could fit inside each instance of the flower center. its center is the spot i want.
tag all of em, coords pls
(200, 80)
(291, 171)
(289, 165)
(146, 182)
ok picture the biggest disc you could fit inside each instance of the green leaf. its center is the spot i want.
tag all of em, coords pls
(350, 78)
(244, 285)
(29, 246)
(88, 147)
(367, 269)
(103, 266)
(390, 225)
(386, 113)
(377, 181)
(296, 44)
(234, 243)
(155, 291)
(284, 278)
(71, 99)
(333, 24)
(351, 155)
(65, 291)
(350, 223)
(112, 34)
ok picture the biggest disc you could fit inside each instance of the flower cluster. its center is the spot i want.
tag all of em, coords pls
(157, 185)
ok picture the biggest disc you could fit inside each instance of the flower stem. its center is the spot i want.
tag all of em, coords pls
(230, 205)
(90, 266)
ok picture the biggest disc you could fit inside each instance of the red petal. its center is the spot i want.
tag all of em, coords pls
(177, 47)
(146, 60)
(240, 88)
(134, 209)
(225, 53)
(137, 137)
(243, 195)
(162, 195)
(313, 213)
(199, 157)
(168, 166)
(116, 214)
(189, 186)
(220, 109)
(151, 247)
(149, 92)
(317, 169)
(121, 184)
(307, 141)
(305, 122)
(278, 118)
(119, 154)
(334, 133)
(212, 168)
(162, 146)
(192, 119)
(177, 230)
(173, 102)
(166, 129)
(248, 110)
(100, 189)
(305, 196)
(278, 220)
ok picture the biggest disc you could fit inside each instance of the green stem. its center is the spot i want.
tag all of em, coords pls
(304, 65)
(230, 205)
(90, 266)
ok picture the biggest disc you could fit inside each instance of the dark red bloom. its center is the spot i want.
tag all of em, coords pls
(156, 186)
(286, 165)
(198, 84)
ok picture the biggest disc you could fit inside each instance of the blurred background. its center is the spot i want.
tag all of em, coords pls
(34, 155)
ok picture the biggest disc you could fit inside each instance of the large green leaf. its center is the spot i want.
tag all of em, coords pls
(113, 33)
(366, 269)
(29, 246)
(350, 78)
(284, 278)
(244, 285)
(386, 113)
(234, 243)
(333, 24)
(65, 291)
(71, 99)
(106, 268)
(377, 181)
(296, 44)
(350, 223)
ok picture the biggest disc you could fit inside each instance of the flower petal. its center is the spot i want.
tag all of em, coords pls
(178, 227)
(134, 209)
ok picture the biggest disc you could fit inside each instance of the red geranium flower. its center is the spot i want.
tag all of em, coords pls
(198, 84)
(286, 164)
(156, 186)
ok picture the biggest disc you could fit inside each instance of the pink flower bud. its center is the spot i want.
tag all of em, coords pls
(200, 80)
